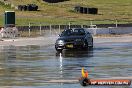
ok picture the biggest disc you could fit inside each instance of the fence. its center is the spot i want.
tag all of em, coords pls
(50, 30)
(47, 30)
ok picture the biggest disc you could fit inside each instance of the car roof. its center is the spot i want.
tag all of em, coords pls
(76, 28)
(79, 28)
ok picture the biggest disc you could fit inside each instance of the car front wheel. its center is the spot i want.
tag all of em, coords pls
(58, 50)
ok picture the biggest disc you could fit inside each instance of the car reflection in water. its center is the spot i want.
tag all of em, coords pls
(71, 61)
(76, 53)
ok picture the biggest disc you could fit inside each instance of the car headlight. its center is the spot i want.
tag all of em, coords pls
(60, 42)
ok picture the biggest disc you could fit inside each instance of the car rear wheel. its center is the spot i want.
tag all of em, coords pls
(86, 45)
(91, 46)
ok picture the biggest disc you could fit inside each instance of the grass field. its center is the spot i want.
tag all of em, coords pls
(62, 13)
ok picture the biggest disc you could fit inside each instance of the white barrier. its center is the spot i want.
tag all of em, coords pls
(110, 30)
(121, 30)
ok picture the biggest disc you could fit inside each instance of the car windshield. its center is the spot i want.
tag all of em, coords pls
(73, 32)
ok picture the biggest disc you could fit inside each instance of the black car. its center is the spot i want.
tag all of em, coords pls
(77, 38)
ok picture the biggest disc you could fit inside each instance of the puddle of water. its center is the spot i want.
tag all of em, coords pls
(33, 65)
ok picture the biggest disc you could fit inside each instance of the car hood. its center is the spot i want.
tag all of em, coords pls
(71, 38)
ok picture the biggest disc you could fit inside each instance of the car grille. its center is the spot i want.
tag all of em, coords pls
(70, 40)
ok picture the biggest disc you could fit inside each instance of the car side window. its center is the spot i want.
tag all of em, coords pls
(82, 32)
(66, 33)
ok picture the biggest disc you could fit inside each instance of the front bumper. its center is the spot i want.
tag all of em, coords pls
(71, 45)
